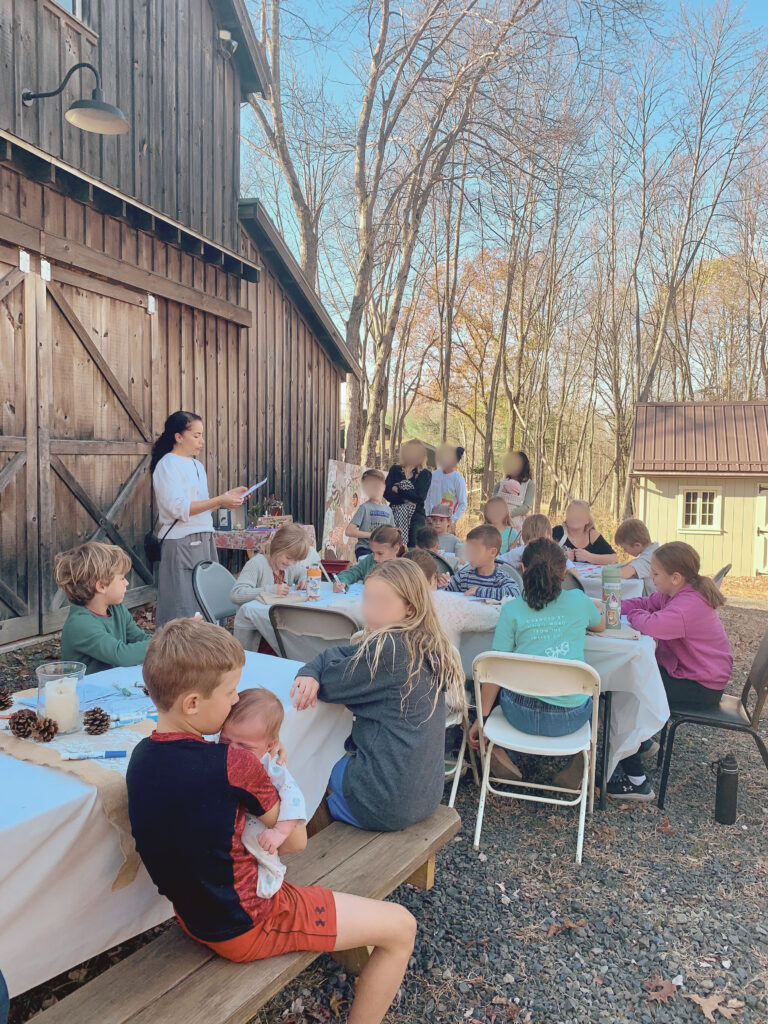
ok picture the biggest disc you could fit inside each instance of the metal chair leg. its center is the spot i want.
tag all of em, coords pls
(662, 741)
(605, 748)
(486, 762)
(582, 807)
(760, 746)
(457, 769)
(667, 760)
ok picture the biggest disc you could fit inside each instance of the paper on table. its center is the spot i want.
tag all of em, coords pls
(267, 598)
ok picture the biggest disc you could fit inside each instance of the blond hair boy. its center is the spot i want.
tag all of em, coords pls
(99, 631)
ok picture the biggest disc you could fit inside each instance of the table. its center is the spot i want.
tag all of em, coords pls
(627, 668)
(60, 854)
(467, 623)
(591, 579)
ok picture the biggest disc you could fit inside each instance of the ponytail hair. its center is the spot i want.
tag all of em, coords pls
(544, 567)
(389, 535)
(683, 559)
(177, 423)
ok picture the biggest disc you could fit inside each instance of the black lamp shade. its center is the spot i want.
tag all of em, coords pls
(94, 115)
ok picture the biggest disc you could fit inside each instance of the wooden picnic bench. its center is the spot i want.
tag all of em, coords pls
(174, 979)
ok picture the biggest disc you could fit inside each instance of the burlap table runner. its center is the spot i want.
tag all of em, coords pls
(110, 784)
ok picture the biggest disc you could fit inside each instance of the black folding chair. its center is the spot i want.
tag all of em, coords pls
(732, 713)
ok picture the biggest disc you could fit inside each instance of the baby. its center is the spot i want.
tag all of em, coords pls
(254, 724)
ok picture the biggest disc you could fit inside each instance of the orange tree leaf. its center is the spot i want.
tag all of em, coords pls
(659, 989)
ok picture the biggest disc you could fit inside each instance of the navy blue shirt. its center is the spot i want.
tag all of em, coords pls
(187, 800)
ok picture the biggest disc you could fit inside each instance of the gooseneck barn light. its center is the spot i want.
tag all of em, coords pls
(93, 115)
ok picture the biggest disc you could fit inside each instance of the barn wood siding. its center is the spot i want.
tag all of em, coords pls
(160, 63)
(106, 373)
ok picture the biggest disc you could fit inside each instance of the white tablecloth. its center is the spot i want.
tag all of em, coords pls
(59, 854)
(592, 581)
(627, 668)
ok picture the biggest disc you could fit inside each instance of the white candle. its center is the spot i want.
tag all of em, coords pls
(62, 704)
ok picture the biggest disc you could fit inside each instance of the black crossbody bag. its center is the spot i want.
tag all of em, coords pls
(153, 545)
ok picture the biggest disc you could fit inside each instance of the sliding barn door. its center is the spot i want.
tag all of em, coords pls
(94, 366)
(19, 591)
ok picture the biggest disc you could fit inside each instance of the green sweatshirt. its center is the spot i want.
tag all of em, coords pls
(357, 573)
(102, 641)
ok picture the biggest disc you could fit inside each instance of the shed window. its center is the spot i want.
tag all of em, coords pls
(700, 510)
(73, 6)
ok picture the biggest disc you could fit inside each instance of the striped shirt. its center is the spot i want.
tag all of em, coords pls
(497, 585)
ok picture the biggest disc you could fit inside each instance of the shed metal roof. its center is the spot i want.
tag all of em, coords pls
(700, 437)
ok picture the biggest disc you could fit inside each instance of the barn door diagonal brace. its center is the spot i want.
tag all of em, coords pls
(100, 517)
(98, 359)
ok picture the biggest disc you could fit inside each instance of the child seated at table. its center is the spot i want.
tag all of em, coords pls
(440, 519)
(386, 543)
(549, 622)
(188, 799)
(633, 537)
(396, 682)
(373, 512)
(99, 631)
(277, 568)
(692, 649)
(254, 724)
(534, 527)
(496, 513)
(481, 577)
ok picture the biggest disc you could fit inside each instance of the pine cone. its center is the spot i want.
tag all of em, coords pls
(5, 698)
(21, 723)
(44, 730)
(96, 721)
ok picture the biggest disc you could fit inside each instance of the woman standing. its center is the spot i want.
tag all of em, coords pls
(185, 523)
(406, 489)
(516, 487)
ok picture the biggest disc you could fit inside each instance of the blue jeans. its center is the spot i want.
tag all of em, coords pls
(337, 804)
(537, 718)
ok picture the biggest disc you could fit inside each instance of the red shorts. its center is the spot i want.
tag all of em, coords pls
(301, 918)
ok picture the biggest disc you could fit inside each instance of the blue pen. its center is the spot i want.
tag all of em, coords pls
(94, 755)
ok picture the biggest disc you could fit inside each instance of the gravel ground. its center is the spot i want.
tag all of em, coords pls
(665, 921)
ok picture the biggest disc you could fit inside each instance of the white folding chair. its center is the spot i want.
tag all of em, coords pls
(302, 631)
(452, 719)
(536, 677)
(212, 584)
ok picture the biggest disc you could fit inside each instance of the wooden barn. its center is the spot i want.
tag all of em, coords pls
(701, 476)
(130, 287)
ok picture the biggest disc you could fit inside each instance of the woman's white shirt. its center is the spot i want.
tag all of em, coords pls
(178, 481)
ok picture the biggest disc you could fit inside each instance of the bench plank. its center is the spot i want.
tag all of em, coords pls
(173, 978)
(232, 993)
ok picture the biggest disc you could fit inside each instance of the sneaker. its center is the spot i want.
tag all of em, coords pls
(622, 789)
(649, 748)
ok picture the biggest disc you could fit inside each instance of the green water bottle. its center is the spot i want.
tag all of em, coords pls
(612, 595)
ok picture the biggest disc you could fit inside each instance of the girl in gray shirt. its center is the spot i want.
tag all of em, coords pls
(395, 681)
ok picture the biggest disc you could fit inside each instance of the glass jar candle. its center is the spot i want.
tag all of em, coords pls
(59, 692)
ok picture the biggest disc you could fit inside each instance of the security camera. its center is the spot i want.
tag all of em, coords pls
(227, 44)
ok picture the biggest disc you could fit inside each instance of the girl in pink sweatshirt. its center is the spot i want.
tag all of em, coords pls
(692, 649)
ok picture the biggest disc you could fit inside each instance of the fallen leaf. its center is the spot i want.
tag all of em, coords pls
(556, 929)
(666, 829)
(508, 979)
(659, 989)
(710, 1003)
(598, 979)
(482, 858)
(336, 1000)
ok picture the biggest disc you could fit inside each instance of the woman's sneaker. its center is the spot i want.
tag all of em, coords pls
(620, 788)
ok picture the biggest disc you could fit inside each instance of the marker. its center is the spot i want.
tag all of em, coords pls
(94, 755)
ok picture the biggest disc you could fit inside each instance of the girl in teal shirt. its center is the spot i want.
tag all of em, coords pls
(550, 622)
(496, 514)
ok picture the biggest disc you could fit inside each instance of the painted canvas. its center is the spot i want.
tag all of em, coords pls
(343, 495)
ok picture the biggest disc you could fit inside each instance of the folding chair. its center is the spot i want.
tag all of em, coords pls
(302, 631)
(572, 582)
(536, 677)
(452, 719)
(212, 584)
(720, 575)
(732, 713)
(505, 568)
(443, 565)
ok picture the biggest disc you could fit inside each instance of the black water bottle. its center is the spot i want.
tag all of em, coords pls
(727, 790)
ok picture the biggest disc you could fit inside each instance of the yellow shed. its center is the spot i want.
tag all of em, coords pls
(700, 471)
